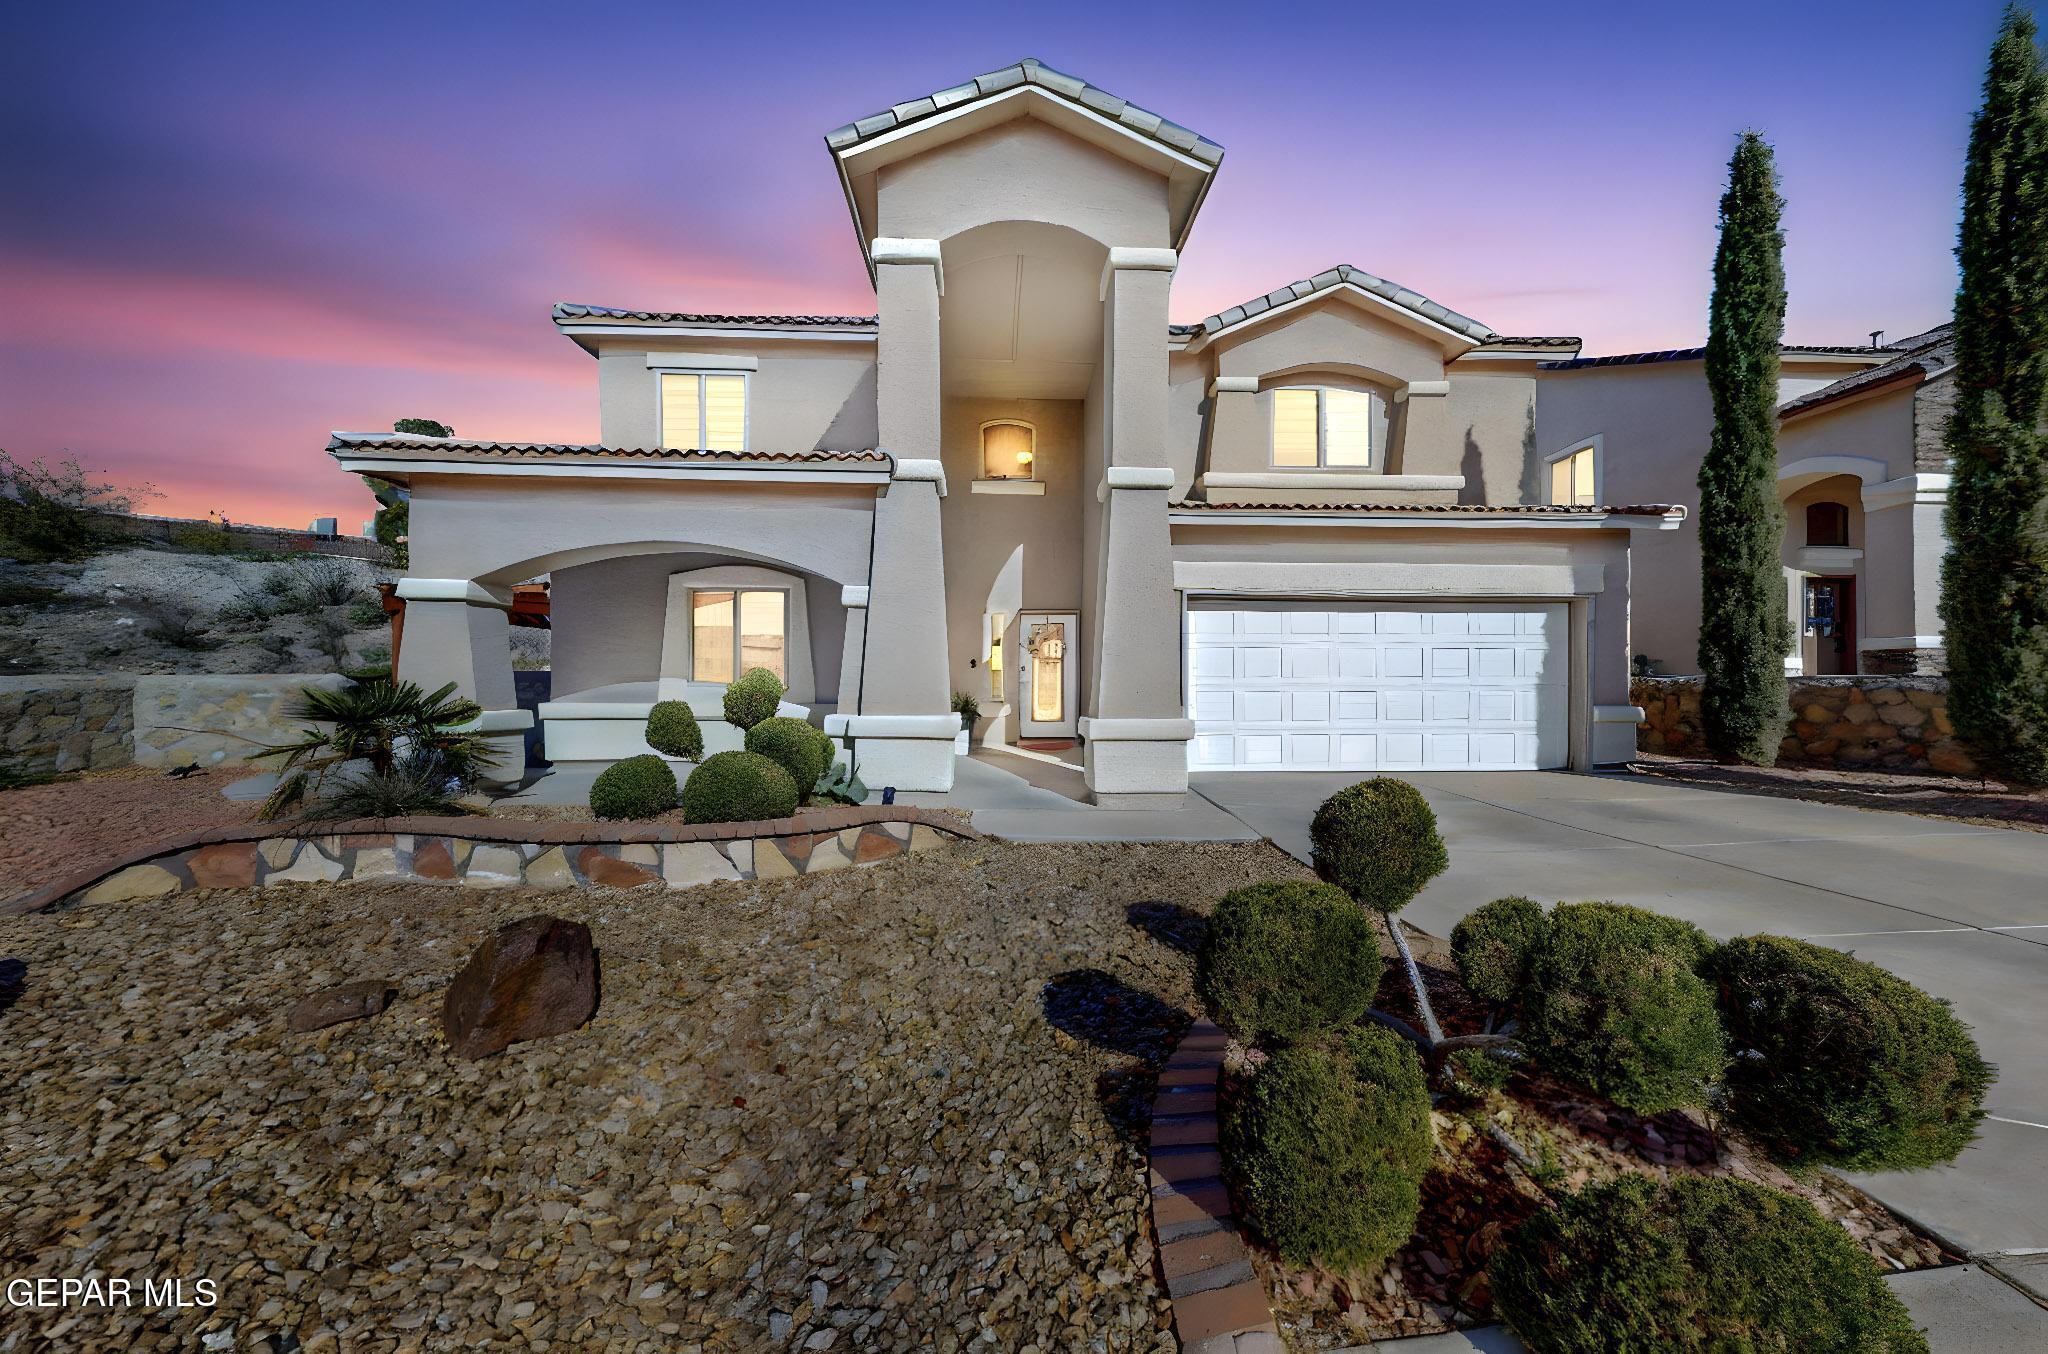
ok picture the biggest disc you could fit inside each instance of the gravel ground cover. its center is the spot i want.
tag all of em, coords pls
(1984, 802)
(55, 829)
(891, 1108)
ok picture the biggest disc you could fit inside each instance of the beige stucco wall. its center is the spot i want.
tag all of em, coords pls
(607, 617)
(1491, 414)
(1022, 170)
(983, 531)
(504, 530)
(804, 396)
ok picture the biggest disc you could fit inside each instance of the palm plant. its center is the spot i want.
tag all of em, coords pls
(381, 724)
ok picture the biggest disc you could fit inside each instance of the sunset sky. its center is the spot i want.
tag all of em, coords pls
(226, 229)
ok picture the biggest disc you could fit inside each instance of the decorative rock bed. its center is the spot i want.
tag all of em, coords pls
(502, 853)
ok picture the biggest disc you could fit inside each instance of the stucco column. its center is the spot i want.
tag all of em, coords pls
(456, 631)
(1424, 422)
(1137, 734)
(1905, 539)
(901, 723)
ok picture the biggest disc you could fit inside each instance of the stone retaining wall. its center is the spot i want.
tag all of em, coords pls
(54, 722)
(505, 853)
(1855, 723)
(67, 723)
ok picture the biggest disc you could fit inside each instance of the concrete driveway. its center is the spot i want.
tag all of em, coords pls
(1962, 911)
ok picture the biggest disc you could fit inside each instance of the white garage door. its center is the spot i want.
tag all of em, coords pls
(1376, 686)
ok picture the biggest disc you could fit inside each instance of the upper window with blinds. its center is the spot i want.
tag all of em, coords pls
(704, 411)
(1321, 426)
(1575, 477)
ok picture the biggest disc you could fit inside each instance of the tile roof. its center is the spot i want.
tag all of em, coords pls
(1342, 275)
(1535, 341)
(566, 313)
(463, 449)
(1934, 350)
(1694, 354)
(1435, 509)
(1029, 71)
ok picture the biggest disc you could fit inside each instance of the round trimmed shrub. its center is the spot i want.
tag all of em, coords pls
(797, 747)
(1377, 841)
(738, 787)
(752, 697)
(1328, 1147)
(1841, 1063)
(1494, 947)
(1700, 1264)
(672, 728)
(1615, 999)
(638, 787)
(1287, 959)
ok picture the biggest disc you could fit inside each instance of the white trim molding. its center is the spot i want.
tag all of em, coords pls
(1422, 390)
(1914, 489)
(1820, 559)
(1098, 730)
(1015, 486)
(893, 249)
(1265, 578)
(1899, 642)
(1618, 714)
(853, 595)
(1310, 479)
(647, 468)
(1811, 468)
(926, 470)
(903, 726)
(1234, 385)
(684, 362)
(454, 590)
(497, 721)
(1126, 259)
(1138, 477)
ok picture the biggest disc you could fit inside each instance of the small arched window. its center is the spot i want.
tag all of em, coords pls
(1827, 524)
(1009, 450)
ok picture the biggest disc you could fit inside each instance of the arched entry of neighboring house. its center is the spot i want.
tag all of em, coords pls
(1826, 581)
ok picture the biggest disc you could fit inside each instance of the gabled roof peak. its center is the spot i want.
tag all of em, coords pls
(1033, 72)
(1344, 275)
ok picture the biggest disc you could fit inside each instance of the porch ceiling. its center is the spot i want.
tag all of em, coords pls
(1020, 318)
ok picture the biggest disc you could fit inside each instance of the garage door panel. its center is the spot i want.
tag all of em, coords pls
(1331, 686)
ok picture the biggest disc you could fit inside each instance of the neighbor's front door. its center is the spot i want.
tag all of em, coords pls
(1046, 645)
(1831, 625)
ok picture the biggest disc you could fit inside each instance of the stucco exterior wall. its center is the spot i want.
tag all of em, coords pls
(1188, 419)
(802, 397)
(1022, 170)
(983, 532)
(1879, 428)
(1492, 417)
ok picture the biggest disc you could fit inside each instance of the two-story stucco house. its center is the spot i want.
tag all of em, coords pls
(1311, 532)
(1862, 475)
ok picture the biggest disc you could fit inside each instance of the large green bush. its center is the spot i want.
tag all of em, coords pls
(738, 787)
(1840, 1063)
(1615, 999)
(1377, 840)
(638, 787)
(1329, 1145)
(1287, 959)
(752, 698)
(1495, 946)
(672, 728)
(797, 747)
(1694, 1265)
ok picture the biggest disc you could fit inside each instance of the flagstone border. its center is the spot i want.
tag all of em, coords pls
(1219, 1307)
(503, 853)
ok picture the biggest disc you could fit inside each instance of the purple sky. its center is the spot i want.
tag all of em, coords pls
(225, 230)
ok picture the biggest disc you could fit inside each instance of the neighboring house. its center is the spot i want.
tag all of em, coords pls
(1861, 472)
(1309, 533)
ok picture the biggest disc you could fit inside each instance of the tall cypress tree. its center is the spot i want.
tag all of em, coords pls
(1744, 632)
(1994, 582)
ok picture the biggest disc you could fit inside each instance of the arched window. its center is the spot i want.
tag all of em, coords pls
(1009, 450)
(1827, 524)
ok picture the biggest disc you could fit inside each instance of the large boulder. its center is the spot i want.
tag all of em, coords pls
(535, 977)
(333, 1005)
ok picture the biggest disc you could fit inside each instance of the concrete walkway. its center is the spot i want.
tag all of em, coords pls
(1962, 911)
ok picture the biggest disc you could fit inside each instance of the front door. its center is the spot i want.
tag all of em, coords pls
(1046, 644)
(1831, 625)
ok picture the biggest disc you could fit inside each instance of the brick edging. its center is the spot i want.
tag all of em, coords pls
(1219, 1306)
(520, 831)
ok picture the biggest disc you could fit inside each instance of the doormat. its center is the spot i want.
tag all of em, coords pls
(1045, 744)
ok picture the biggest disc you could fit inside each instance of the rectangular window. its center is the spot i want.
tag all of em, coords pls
(733, 631)
(1315, 426)
(1572, 479)
(704, 411)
